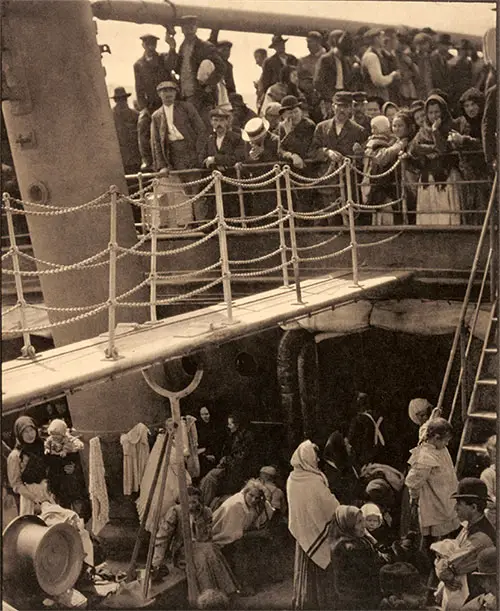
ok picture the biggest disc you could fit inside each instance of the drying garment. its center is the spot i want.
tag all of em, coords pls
(135, 457)
(97, 487)
(190, 444)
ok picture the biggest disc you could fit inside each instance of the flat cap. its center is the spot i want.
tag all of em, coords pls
(359, 96)
(314, 35)
(149, 37)
(167, 85)
(342, 97)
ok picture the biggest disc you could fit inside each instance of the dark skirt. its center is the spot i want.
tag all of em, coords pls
(312, 585)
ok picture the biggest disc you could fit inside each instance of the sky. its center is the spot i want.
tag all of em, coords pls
(471, 18)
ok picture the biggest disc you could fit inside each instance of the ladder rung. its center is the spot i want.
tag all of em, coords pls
(483, 415)
(478, 449)
(491, 350)
(487, 382)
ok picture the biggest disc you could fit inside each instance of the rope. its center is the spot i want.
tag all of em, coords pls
(237, 183)
(256, 259)
(324, 243)
(376, 206)
(313, 181)
(58, 324)
(141, 304)
(174, 251)
(260, 272)
(311, 217)
(196, 272)
(254, 219)
(12, 309)
(244, 181)
(322, 257)
(98, 202)
(337, 202)
(180, 189)
(186, 232)
(57, 270)
(37, 306)
(7, 254)
(383, 241)
(250, 229)
(391, 169)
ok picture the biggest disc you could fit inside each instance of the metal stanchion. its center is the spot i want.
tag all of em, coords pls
(111, 352)
(241, 196)
(404, 196)
(293, 236)
(224, 255)
(155, 223)
(28, 350)
(352, 230)
(281, 226)
(142, 201)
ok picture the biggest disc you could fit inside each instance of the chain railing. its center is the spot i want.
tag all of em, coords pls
(281, 187)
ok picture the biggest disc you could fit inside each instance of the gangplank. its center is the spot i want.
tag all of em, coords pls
(70, 368)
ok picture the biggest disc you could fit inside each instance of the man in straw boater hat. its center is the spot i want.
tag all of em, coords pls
(477, 534)
(126, 128)
(487, 572)
(271, 69)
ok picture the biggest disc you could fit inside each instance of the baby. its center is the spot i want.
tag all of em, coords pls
(449, 599)
(60, 442)
(373, 516)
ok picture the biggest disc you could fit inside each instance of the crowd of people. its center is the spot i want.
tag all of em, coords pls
(375, 95)
(367, 534)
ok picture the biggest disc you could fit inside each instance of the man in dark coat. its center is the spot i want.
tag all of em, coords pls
(149, 71)
(271, 69)
(224, 47)
(440, 57)
(126, 128)
(186, 63)
(460, 74)
(241, 112)
(330, 73)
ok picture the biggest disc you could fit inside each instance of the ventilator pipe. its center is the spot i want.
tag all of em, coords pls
(290, 347)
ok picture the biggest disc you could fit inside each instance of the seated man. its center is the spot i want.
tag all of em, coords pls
(476, 535)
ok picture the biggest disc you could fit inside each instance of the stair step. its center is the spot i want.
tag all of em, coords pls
(492, 350)
(478, 449)
(484, 415)
(487, 382)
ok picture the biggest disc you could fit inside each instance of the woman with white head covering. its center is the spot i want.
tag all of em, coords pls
(311, 509)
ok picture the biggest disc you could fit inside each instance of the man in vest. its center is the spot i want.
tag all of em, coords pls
(316, 50)
(377, 83)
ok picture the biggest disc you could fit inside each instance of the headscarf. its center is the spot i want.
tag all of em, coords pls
(20, 425)
(474, 95)
(446, 118)
(417, 406)
(345, 520)
(311, 505)
(386, 106)
(35, 469)
(407, 117)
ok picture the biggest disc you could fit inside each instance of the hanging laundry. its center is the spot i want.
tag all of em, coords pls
(190, 441)
(135, 457)
(97, 487)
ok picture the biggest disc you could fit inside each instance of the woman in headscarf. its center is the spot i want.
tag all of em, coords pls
(389, 110)
(339, 470)
(355, 562)
(27, 467)
(467, 140)
(438, 198)
(311, 507)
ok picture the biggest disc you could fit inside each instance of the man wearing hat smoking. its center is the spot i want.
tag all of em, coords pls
(477, 534)
(223, 148)
(294, 131)
(440, 57)
(192, 53)
(487, 575)
(316, 50)
(126, 128)
(372, 64)
(271, 69)
(150, 70)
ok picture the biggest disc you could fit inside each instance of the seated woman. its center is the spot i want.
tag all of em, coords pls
(355, 562)
(211, 568)
(241, 528)
(274, 495)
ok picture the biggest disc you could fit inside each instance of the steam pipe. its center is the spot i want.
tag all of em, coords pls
(233, 19)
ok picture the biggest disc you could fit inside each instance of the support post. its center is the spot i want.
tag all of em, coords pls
(293, 236)
(111, 352)
(463, 369)
(155, 223)
(174, 398)
(241, 196)
(279, 203)
(28, 350)
(404, 193)
(352, 230)
(141, 199)
(224, 255)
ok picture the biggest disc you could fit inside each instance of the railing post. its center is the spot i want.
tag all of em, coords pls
(463, 368)
(155, 223)
(293, 236)
(281, 226)
(224, 255)
(28, 350)
(241, 197)
(404, 197)
(111, 352)
(141, 199)
(352, 230)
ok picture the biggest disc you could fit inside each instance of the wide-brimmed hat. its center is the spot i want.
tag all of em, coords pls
(277, 39)
(255, 129)
(471, 488)
(487, 562)
(167, 85)
(120, 93)
(444, 39)
(149, 37)
(419, 405)
(289, 102)
(342, 97)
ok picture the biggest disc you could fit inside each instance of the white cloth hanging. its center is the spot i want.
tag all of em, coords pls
(377, 436)
(97, 487)
(135, 457)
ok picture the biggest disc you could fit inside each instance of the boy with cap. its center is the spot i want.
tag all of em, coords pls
(271, 70)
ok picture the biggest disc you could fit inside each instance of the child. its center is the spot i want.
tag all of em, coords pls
(378, 191)
(373, 517)
(60, 442)
(431, 481)
(489, 477)
(421, 412)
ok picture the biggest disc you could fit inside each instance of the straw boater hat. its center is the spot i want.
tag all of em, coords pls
(255, 129)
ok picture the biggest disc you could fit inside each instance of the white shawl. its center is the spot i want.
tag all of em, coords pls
(311, 505)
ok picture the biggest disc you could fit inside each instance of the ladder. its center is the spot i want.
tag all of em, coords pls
(479, 404)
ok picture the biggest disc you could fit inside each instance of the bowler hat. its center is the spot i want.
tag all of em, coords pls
(471, 488)
(149, 37)
(359, 96)
(399, 578)
(120, 93)
(444, 39)
(255, 129)
(220, 111)
(277, 39)
(289, 102)
(167, 85)
(342, 97)
(314, 35)
(487, 562)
